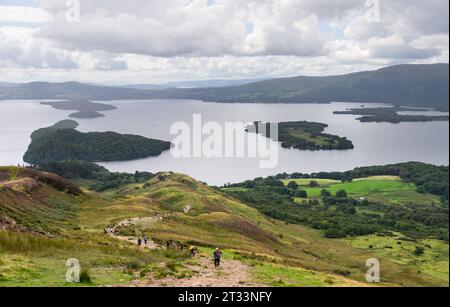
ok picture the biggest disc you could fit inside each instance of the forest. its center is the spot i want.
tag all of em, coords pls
(340, 215)
(302, 135)
(58, 143)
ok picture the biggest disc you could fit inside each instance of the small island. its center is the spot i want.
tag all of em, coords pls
(304, 135)
(86, 114)
(61, 142)
(86, 109)
(390, 115)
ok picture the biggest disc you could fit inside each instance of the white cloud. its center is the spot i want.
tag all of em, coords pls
(23, 14)
(165, 40)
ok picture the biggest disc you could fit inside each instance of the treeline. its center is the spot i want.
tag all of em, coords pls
(339, 216)
(427, 178)
(100, 178)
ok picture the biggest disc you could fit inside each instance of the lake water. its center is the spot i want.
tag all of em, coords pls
(375, 143)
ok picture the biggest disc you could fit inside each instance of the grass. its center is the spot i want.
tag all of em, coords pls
(284, 276)
(271, 247)
(383, 189)
(308, 137)
(432, 266)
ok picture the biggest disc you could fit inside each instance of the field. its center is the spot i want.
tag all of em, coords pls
(384, 189)
(432, 265)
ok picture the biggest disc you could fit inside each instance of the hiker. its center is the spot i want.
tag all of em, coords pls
(217, 256)
(193, 250)
(145, 240)
(139, 242)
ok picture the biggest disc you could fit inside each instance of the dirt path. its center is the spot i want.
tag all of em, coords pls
(232, 273)
(150, 244)
(112, 231)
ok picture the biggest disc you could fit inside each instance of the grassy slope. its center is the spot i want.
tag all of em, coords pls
(272, 248)
(28, 258)
(384, 189)
(217, 220)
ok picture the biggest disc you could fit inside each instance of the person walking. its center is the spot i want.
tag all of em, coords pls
(193, 251)
(145, 240)
(139, 242)
(217, 257)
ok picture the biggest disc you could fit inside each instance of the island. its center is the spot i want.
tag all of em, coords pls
(303, 135)
(86, 114)
(86, 109)
(62, 142)
(391, 115)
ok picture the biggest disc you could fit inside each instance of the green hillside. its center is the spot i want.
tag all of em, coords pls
(175, 210)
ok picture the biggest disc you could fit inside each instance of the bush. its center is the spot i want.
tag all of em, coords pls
(420, 251)
(341, 194)
(335, 234)
(85, 277)
(325, 193)
(293, 185)
(313, 184)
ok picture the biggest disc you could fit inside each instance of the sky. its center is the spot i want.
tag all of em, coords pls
(157, 41)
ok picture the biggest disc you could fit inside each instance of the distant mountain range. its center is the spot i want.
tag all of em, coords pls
(7, 84)
(192, 84)
(407, 85)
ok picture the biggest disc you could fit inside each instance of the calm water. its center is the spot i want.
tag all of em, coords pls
(375, 143)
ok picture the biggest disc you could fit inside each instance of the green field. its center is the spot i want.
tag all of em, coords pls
(432, 265)
(384, 189)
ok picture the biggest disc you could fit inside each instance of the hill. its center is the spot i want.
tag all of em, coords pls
(62, 142)
(412, 85)
(175, 210)
(408, 85)
(36, 202)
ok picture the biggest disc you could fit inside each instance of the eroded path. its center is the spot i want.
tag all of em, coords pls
(232, 273)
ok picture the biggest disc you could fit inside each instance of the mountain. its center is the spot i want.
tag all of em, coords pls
(192, 84)
(8, 84)
(70, 91)
(411, 85)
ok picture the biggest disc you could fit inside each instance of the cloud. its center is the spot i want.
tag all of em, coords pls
(19, 49)
(15, 14)
(194, 27)
(166, 40)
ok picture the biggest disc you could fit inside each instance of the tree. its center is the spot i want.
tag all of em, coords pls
(313, 184)
(335, 234)
(293, 185)
(302, 194)
(325, 193)
(341, 194)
